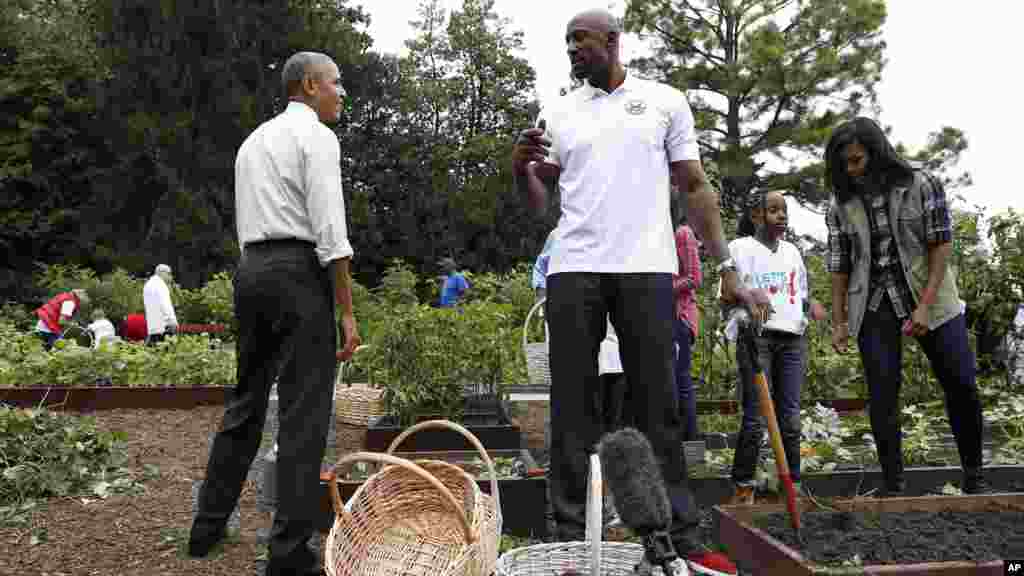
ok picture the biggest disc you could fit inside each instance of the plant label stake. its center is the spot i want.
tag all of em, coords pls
(768, 412)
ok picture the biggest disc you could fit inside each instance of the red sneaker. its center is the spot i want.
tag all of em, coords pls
(710, 563)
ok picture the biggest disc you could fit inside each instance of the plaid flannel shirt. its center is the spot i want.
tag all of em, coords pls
(686, 283)
(886, 274)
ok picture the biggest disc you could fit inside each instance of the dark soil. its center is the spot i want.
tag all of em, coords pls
(830, 538)
(144, 534)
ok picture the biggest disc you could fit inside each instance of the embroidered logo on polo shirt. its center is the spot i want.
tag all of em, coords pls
(636, 107)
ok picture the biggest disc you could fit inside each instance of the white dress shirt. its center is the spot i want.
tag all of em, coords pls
(288, 184)
(614, 152)
(159, 309)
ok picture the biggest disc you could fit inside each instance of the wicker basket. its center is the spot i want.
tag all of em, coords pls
(537, 371)
(357, 404)
(590, 557)
(423, 518)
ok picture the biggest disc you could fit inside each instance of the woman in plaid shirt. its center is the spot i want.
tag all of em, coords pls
(889, 243)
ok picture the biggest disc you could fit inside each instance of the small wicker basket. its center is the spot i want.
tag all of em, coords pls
(538, 372)
(590, 557)
(422, 518)
(357, 404)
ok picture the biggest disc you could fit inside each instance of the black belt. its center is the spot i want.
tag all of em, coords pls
(279, 243)
(779, 334)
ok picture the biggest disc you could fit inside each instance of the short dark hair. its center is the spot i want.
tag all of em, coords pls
(883, 161)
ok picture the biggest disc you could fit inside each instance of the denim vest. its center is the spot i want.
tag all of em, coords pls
(906, 217)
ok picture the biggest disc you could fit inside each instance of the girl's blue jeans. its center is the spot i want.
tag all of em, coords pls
(783, 359)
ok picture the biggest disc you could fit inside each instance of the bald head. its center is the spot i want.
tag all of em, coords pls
(596, 20)
(299, 66)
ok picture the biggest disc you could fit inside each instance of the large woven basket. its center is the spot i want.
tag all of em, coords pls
(538, 372)
(422, 518)
(591, 557)
(356, 404)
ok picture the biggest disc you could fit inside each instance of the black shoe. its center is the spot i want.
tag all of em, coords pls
(202, 540)
(302, 562)
(975, 483)
(896, 489)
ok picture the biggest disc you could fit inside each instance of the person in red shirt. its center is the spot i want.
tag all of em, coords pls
(684, 325)
(133, 328)
(57, 313)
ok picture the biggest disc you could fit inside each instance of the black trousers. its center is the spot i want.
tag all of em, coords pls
(641, 309)
(283, 303)
(952, 361)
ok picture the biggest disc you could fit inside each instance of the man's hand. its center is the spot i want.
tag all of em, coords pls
(917, 325)
(351, 334)
(817, 311)
(530, 146)
(840, 336)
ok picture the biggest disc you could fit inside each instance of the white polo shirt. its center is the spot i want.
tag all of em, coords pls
(614, 151)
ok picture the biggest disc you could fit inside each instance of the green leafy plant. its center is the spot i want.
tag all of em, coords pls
(47, 454)
(192, 360)
(424, 357)
(919, 436)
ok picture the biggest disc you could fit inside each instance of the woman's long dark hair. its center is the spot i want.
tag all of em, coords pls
(884, 164)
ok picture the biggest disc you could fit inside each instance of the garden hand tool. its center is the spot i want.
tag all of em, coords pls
(750, 332)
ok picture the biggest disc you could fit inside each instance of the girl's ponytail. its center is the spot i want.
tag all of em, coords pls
(746, 227)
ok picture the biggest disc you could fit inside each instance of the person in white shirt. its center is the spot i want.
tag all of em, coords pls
(294, 269)
(609, 147)
(767, 263)
(160, 318)
(101, 328)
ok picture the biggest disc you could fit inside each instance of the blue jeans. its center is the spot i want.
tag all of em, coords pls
(782, 356)
(48, 338)
(683, 337)
(952, 360)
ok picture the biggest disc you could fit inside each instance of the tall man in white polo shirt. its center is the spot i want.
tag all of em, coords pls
(156, 296)
(610, 147)
(294, 267)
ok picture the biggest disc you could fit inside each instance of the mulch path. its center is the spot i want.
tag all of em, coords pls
(145, 533)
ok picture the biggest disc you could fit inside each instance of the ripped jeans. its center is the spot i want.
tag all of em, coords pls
(783, 359)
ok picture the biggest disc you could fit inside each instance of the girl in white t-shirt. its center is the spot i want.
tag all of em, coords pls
(774, 269)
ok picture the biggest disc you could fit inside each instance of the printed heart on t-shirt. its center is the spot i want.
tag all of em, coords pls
(773, 289)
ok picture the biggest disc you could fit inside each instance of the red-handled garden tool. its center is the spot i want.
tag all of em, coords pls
(768, 411)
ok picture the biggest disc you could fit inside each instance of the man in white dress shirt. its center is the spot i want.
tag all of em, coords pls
(160, 317)
(294, 268)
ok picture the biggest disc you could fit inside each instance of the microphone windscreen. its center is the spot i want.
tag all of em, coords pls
(634, 478)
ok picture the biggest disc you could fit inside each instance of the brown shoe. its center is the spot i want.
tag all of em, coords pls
(742, 495)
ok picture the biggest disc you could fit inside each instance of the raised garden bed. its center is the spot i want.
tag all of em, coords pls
(89, 398)
(201, 328)
(849, 483)
(732, 407)
(918, 535)
(523, 500)
(484, 416)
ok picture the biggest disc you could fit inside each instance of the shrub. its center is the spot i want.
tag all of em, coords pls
(425, 357)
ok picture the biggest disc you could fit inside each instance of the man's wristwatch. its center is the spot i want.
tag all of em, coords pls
(727, 264)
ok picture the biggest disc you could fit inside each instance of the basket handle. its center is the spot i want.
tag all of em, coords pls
(341, 369)
(526, 323)
(446, 494)
(449, 425)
